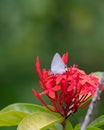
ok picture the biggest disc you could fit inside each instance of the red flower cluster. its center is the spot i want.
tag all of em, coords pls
(67, 91)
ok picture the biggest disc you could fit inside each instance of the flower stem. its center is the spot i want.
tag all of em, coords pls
(64, 124)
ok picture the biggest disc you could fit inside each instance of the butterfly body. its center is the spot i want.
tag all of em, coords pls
(57, 65)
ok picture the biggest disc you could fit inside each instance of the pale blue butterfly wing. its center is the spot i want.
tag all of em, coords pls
(57, 65)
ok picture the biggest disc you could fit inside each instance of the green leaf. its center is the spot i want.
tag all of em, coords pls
(51, 128)
(11, 118)
(58, 126)
(24, 107)
(98, 74)
(68, 125)
(13, 114)
(93, 128)
(39, 121)
(98, 122)
(77, 127)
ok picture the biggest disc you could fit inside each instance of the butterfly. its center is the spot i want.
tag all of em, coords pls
(57, 65)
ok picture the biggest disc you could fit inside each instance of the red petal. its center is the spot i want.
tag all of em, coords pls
(52, 94)
(44, 92)
(38, 67)
(102, 88)
(65, 58)
(40, 99)
(56, 88)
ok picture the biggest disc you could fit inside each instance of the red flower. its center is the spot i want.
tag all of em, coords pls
(67, 91)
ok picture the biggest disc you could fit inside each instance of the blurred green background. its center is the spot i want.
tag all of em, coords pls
(43, 27)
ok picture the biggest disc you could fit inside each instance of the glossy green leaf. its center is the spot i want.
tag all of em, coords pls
(58, 126)
(93, 128)
(28, 108)
(77, 127)
(98, 74)
(68, 125)
(39, 121)
(11, 118)
(98, 122)
(25, 107)
(52, 128)
(13, 114)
